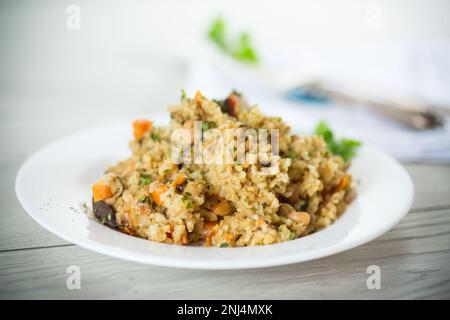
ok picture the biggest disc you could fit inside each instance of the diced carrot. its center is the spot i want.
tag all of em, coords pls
(185, 239)
(198, 98)
(228, 237)
(208, 232)
(180, 180)
(156, 195)
(140, 127)
(343, 183)
(101, 191)
(209, 225)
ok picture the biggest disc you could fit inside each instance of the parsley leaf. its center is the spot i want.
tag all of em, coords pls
(155, 136)
(205, 126)
(208, 125)
(217, 33)
(183, 94)
(243, 49)
(145, 180)
(291, 155)
(346, 148)
(324, 130)
(224, 245)
(239, 48)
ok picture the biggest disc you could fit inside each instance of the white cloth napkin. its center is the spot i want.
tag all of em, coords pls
(216, 78)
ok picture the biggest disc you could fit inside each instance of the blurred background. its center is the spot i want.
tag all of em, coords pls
(67, 65)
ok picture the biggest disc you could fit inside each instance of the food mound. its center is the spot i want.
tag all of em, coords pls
(296, 192)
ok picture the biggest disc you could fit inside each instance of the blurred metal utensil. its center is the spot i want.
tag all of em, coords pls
(412, 113)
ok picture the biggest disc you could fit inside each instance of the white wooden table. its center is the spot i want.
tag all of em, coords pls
(414, 257)
(54, 82)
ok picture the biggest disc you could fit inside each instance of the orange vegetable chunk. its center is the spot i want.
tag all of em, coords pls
(156, 195)
(180, 180)
(140, 127)
(101, 191)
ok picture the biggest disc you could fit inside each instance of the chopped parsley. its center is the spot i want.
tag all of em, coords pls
(346, 148)
(187, 199)
(105, 219)
(208, 125)
(291, 154)
(155, 136)
(224, 245)
(240, 48)
(85, 207)
(145, 180)
(183, 94)
(205, 126)
(186, 196)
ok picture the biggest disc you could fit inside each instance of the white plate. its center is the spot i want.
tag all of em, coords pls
(54, 182)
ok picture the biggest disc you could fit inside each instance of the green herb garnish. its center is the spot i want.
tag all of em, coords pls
(291, 154)
(155, 136)
(205, 126)
(145, 180)
(239, 48)
(183, 94)
(208, 125)
(189, 205)
(224, 245)
(346, 148)
(186, 196)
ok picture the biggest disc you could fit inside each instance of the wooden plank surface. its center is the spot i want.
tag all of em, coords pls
(431, 184)
(414, 259)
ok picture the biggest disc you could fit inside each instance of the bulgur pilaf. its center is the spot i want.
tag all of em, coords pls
(299, 191)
